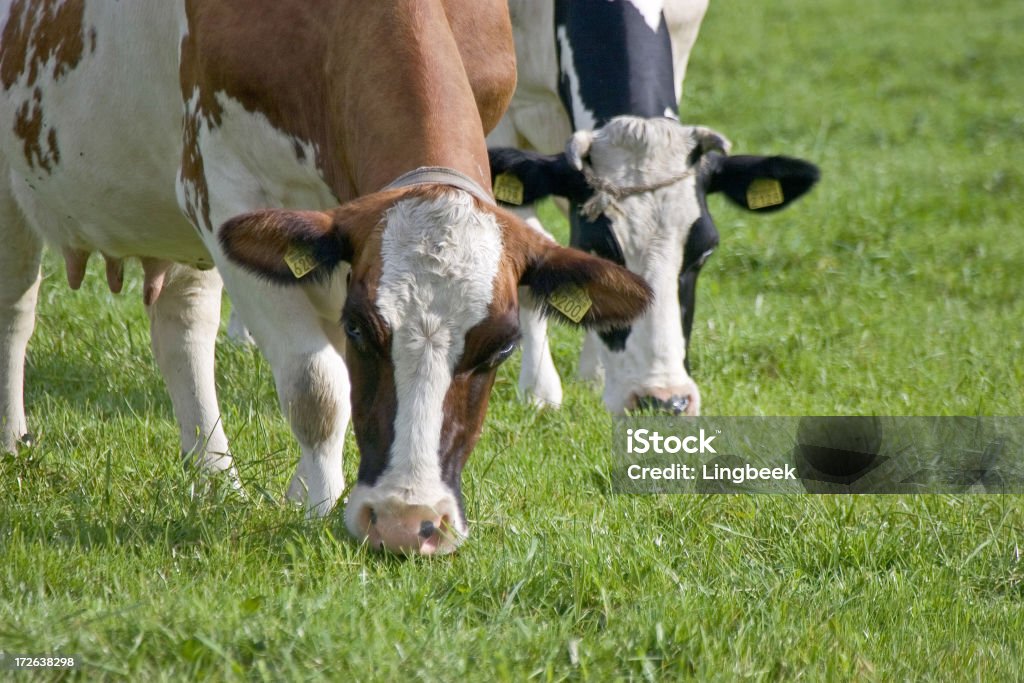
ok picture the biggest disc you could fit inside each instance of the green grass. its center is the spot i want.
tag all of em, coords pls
(894, 288)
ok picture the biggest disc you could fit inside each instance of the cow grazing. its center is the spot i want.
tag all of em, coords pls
(637, 179)
(167, 130)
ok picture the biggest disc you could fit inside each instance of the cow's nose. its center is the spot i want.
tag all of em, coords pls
(683, 399)
(673, 405)
(415, 530)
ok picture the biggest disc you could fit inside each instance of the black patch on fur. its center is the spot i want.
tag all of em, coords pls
(615, 338)
(701, 240)
(594, 237)
(541, 174)
(623, 66)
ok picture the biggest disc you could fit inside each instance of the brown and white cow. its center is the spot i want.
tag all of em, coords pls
(136, 129)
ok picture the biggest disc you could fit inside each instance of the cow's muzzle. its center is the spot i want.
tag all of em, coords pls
(394, 525)
(683, 400)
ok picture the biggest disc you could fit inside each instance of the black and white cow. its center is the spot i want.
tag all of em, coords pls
(636, 179)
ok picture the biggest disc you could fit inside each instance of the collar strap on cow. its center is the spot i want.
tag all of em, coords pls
(441, 175)
(607, 193)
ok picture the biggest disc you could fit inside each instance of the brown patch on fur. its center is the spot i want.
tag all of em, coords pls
(40, 150)
(483, 32)
(38, 31)
(259, 240)
(465, 407)
(374, 399)
(193, 174)
(313, 407)
(377, 88)
(40, 35)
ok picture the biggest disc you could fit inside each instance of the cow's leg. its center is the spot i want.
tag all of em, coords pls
(237, 331)
(538, 379)
(19, 286)
(313, 390)
(539, 382)
(311, 378)
(589, 368)
(183, 328)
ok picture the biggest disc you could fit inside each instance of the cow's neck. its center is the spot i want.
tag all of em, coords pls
(377, 88)
(413, 108)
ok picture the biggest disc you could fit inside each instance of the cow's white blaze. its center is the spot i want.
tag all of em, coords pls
(439, 260)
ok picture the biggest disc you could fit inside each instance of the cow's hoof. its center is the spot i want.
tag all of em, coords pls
(550, 399)
(10, 445)
(238, 332)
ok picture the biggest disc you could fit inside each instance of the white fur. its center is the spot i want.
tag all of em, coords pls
(90, 201)
(19, 287)
(538, 379)
(440, 258)
(583, 117)
(113, 191)
(651, 228)
(684, 18)
(183, 332)
(118, 120)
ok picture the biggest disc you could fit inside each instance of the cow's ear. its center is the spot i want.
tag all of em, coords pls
(521, 177)
(709, 140)
(759, 183)
(578, 148)
(288, 247)
(578, 288)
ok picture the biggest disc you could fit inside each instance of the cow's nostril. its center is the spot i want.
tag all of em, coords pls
(674, 405)
(373, 516)
(427, 529)
(677, 404)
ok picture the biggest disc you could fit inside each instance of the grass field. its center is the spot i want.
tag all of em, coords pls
(894, 288)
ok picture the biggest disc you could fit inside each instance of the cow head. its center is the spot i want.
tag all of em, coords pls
(430, 312)
(639, 190)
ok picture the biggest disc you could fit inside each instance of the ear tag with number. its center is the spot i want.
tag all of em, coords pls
(572, 301)
(300, 260)
(764, 192)
(508, 188)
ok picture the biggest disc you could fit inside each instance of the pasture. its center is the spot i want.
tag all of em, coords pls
(893, 288)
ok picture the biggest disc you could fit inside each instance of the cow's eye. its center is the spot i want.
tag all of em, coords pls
(354, 332)
(504, 353)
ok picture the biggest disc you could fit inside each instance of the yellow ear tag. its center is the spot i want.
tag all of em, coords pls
(508, 188)
(764, 192)
(572, 301)
(300, 260)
